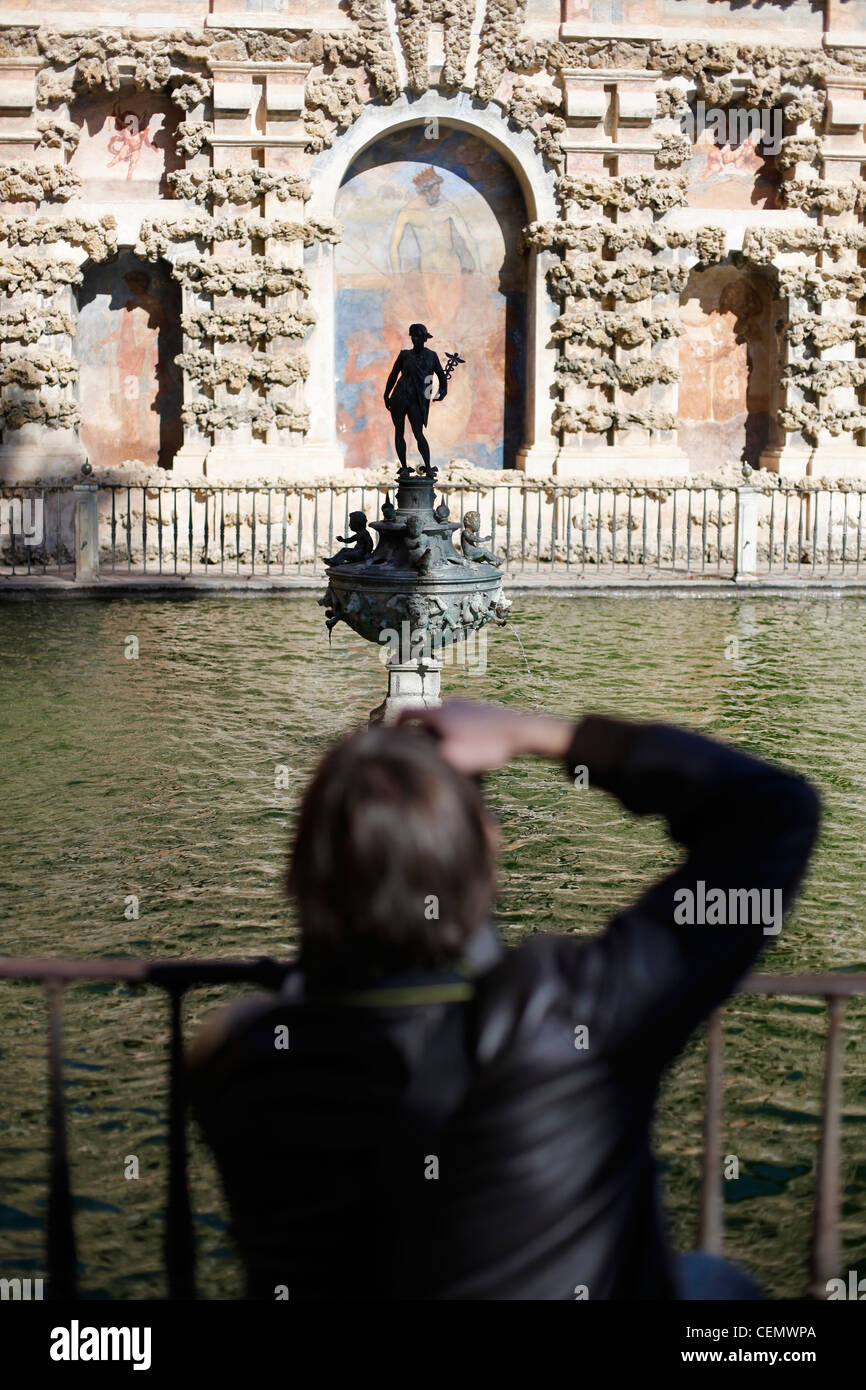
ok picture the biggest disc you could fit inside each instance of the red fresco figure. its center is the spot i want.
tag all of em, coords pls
(129, 138)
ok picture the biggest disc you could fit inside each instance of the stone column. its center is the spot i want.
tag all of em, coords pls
(844, 152)
(189, 461)
(86, 532)
(619, 108)
(235, 454)
(642, 450)
(746, 534)
(588, 144)
(35, 450)
(284, 154)
(791, 457)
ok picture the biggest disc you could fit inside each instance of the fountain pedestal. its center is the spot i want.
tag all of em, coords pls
(415, 592)
(411, 685)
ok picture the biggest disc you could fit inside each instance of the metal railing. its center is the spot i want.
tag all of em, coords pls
(825, 1252)
(584, 530)
(177, 977)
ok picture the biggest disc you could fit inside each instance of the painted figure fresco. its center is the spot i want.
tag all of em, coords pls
(130, 390)
(127, 145)
(731, 173)
(432, 227)
(129, 138)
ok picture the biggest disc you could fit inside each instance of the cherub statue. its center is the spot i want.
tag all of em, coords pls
(471, 543)
(441, 614)
(472, 611)
(355, 549)
(442, 514)
(416, 544)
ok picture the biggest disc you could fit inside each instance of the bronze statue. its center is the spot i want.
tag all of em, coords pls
(408, 392)
(416, 572)
(472, 544)
(416, 545)
(356, 548)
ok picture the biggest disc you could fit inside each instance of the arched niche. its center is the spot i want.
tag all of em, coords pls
(127, 336)
(501, 312)
(431, 233)
(729, 367)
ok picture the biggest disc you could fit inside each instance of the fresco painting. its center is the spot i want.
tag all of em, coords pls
(431, 234)
(127, 146)
(726, 359)
(714, 14)
(127, 336)
(732, 174)
(324, 12)
(706, 14)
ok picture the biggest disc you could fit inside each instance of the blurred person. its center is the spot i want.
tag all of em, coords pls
(421, 1114)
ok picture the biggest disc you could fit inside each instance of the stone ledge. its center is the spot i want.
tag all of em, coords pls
(457, 474)
(565, 585)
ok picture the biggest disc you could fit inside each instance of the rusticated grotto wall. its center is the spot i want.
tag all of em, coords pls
(171, 249)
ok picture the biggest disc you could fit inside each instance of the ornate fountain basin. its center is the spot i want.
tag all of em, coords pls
(415, 582)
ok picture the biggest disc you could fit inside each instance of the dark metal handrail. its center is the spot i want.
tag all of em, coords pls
(176, 977)
(825, 1245)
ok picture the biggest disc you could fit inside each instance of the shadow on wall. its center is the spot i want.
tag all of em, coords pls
(127, 336)
(729, 364)
(432, 229)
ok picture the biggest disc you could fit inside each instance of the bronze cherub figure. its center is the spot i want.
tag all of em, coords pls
(356, 548)
(472, 544)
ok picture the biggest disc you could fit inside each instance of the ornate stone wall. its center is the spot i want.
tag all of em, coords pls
(207, 146)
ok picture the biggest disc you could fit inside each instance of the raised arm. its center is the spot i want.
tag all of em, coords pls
(747, 827)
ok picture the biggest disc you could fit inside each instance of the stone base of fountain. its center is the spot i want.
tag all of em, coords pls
(411, 685)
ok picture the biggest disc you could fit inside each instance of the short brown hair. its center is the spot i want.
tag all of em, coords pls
(393, 861)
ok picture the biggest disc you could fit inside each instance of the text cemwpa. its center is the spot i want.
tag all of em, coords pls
(729, 907)
(76, 1343)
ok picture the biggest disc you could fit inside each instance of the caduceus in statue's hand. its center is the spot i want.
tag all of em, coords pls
(409, 390)
(452, 360)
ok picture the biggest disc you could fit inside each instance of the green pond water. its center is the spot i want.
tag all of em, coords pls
(156, 777)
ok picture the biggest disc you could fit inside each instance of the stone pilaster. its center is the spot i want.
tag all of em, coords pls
(844, 162)
(641, 449)
(189, 461)
(611, 135)
(38, 448)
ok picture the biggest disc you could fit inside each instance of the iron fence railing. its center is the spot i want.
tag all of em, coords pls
(586, 530)
(176, 978)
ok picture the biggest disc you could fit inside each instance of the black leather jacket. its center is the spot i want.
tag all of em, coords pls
(451, 1135)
